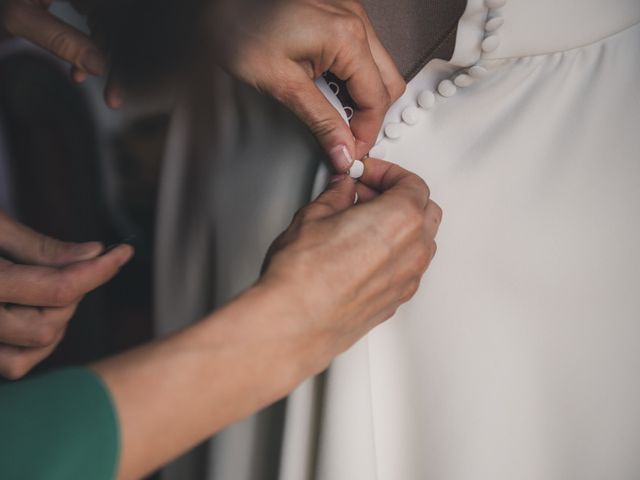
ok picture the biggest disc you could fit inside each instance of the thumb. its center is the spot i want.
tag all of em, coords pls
(57, 287)
(301, 95)
(338, 196)
(24, 245)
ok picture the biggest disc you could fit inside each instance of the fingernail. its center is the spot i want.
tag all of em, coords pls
(94, 62)
(341, 158)
(126, 258)
(115, 97)
(77, 75)
(123, 259)
(356, 198)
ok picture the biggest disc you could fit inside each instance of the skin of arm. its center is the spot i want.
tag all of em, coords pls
(234, 362)
(336, 273)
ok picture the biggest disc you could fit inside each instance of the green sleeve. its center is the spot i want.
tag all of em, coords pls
(60, 425)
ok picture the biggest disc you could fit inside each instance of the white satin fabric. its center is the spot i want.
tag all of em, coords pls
(519, 358)
(236, 168)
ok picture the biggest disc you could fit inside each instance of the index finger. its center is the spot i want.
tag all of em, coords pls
(57, 287)
(37, 25)
(392, 180)
(357, 67)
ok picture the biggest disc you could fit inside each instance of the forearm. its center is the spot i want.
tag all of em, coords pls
(174, 393)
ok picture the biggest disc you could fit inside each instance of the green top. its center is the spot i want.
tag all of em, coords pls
(58, 426)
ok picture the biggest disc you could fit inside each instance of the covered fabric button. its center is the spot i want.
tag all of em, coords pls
(393, 131)
(478, 71)
(494, 24)
(492, 4)
(357, 169)
(426, 99)
(447, 88)
(490, 43)
(410, 115)
(463, 80)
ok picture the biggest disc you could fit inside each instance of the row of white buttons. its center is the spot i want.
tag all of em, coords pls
(448, 87)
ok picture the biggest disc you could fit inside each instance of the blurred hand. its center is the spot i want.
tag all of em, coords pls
(348, 268)
(31, 20)
(282, 53)
(42, 280)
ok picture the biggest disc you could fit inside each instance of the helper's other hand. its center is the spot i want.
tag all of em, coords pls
(42, 280)
(31, 20)
(283, 52)
(348, 268)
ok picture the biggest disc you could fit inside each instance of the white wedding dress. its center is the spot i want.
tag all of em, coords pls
(519, 357)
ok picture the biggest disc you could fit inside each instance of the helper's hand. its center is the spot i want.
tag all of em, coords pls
(42, 280)
(347, 268)
(282, 53)
(31, 20)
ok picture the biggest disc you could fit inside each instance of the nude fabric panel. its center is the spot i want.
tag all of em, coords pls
(416, 31)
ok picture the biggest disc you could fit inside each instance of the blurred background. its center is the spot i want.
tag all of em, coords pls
(74, 169)
(53, 134)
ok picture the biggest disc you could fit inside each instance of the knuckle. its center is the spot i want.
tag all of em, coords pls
(385, 98)
(324, 126)
(45, 247)
(286, 90)
(351, 28)
(304, 215)
(357, 8)
(410, 290)
(61, 43)
(423, 258)
(437, 213)
(311, 213)
(390, 314)
(424, 186)
(397, 89)
(413, 217)
(64, 292)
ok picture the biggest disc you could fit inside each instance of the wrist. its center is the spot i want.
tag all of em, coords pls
(283, 320)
